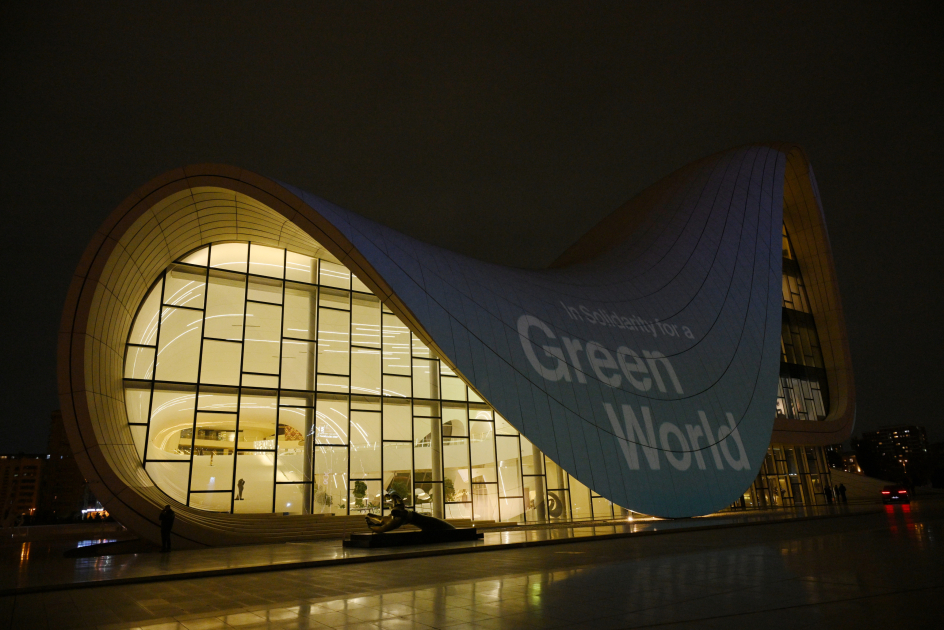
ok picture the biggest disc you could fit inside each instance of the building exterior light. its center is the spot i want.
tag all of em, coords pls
(272, 328)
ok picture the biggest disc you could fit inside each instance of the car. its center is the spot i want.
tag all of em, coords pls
(895, 494)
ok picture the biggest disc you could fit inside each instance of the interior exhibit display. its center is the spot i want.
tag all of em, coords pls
(262, 359)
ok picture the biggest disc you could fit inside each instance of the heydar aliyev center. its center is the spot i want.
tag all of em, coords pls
(262, 360)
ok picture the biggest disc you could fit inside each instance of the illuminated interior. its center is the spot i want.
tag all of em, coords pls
(802, 392)
(260, 380)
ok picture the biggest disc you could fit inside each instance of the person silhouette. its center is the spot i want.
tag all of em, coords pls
(239, 487)
(842, 492)
(167, 524)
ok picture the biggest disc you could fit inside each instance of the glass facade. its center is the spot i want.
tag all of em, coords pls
(795, 475)
(802, 393)
(259, 380)
(790, 476)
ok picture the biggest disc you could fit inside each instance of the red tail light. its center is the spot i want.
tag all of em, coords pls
(885, 492)
(902, 492)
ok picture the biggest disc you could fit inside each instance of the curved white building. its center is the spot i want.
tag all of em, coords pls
(260, 358)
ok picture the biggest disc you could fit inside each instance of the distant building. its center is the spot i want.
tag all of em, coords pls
(841, 459)
(20, 477)
(850, 463)
(63, 494)
(833, 454)
(894, 453)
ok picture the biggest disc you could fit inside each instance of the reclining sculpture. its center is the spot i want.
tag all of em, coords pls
(400, 515)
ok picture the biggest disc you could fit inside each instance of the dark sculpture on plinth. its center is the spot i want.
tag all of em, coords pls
(432, 530)
(400, 515)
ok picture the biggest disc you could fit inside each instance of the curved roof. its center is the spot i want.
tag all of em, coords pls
(644, 361)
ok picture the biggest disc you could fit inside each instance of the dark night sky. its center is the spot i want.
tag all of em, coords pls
(500, 131)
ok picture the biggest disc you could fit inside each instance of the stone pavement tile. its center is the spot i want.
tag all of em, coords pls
(299, 623)
(599, 623)
(464, 615)
(340, 605)
(469, 625)
(405, 597)
(356, 625)
(921, 606)
(248, 599)
(315, 607)
(128, 614)
(206, 623)
(502, 607)
(914, 610)
(401, 623)
(165, 611)
(425, 605)
(397, 609)
(367, 613)
(334, 619)
(242, 619)
(369, 601)
(535, 620)
(819, 593)
(457, 601)
(533, 588)
(278, 614)
(434, 619)
(205, 608)
(569, 614)
(500, 623)
(86, 619)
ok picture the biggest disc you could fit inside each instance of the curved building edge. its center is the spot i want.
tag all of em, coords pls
(116, 477)
(804, 219)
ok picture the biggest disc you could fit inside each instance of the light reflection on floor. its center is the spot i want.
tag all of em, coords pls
(862, 571)
(96, 541)
(47, 566)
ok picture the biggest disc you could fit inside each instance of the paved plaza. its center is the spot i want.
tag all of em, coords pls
(867, 568)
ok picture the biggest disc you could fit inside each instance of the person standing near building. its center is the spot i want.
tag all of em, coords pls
(167, 524)
(239, 487)
(842, 492)
(829, 494)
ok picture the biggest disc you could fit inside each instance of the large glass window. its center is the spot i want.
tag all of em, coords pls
(803, 393)
(789, 476)
(259, 380)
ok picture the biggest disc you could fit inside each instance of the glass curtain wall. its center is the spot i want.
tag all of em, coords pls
(790, 476)
(259, 380)
(802, 393)
(794, 475)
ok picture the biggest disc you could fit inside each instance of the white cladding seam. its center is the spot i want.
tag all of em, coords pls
(650, 372)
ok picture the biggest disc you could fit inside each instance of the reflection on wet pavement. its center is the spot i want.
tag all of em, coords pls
(49, 568)
(863, 571)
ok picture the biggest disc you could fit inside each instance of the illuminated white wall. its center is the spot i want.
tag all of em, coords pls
(649, 371)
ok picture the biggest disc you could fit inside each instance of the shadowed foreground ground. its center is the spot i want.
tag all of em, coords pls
(861, 571)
